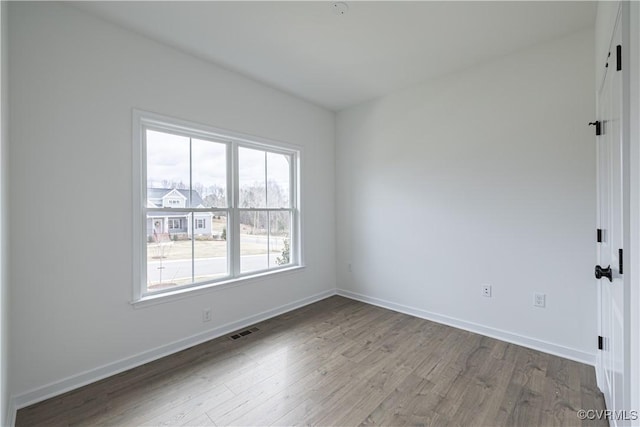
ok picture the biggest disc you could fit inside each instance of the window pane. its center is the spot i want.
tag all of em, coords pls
(168, 250)
(210, 246)
(251, 164)
(209, 173)
(279, 239)
(167, 170)
(253, 241)
(187, 206)
(278, 179)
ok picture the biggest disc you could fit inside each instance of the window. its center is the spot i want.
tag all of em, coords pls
(246, 187)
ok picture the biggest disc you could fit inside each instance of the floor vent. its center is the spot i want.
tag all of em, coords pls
(243, 333)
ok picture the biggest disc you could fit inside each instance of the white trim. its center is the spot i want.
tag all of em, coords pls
(233, 194)
(12, 411)
(632, 53)
(222, 135)
(626, 214)
(87, 377)
(138, 194)
(533, 343)
(233, 140)
(298, 224)
(600, 380)
(187, 292)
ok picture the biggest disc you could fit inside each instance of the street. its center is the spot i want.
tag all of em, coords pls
(179, 271)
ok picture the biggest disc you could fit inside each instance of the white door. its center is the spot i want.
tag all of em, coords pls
(611, 363)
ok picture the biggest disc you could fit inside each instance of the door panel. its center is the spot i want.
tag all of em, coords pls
(610, 219)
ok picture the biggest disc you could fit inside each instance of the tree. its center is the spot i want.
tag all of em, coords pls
(174, 184)
(212, 195)
(285, 257)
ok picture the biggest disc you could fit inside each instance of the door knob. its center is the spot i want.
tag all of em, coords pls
(603, 272)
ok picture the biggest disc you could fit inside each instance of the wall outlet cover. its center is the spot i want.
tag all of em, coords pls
(486, 291)
(539, 300)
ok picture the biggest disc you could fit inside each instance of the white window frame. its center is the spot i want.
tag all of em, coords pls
(142, 121)
(200, 223)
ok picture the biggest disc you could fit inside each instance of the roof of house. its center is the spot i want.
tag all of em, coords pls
(159, 193)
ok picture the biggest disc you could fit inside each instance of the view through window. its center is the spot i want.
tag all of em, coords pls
(214, 208)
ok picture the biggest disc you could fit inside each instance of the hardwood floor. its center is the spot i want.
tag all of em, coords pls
(338, 362)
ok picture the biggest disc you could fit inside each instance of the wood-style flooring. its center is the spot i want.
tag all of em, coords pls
(338, 362)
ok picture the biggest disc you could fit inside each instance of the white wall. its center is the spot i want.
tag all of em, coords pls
(4, 264)
(485, 176)
(606, 15)
(75, 80)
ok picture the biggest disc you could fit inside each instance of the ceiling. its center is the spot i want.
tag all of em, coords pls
(336, 61)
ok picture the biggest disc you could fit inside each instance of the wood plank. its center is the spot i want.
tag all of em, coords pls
(338, 362)
(353, 397)
(201, 421)
(193, 408)
(562, 398)
(328, 377)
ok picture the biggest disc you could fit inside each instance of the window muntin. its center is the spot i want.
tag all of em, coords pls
(236, 215)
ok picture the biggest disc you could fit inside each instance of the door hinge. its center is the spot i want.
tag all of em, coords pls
(620, 258)
(600, 342)
(619, 57)
(597, 125)
(599, 235)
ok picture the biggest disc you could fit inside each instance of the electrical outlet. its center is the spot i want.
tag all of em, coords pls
(539, 300)
(206, 315)
(486, 291)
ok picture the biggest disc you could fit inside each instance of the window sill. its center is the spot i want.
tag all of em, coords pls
(165, 297)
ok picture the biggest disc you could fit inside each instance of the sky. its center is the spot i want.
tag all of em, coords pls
(168, 159)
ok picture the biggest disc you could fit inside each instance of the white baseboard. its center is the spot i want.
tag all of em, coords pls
(11, 413)
(536, 344)
(58, 387)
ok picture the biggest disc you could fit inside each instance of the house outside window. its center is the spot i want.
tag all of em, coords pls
(240, 193)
